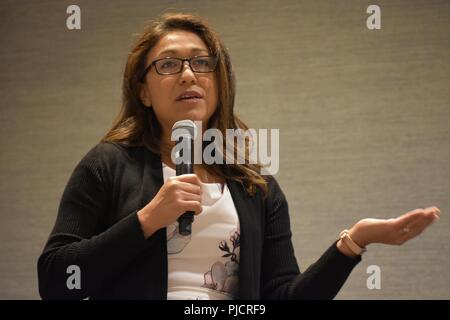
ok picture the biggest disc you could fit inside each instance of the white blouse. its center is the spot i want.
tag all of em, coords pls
(205, 264)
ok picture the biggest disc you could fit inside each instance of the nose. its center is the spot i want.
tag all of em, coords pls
(187, 75)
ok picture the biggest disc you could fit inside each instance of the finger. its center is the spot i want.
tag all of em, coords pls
(416, 230)
(434, 210)
(423, 219)
(187, 196)
(431, 214)
(189, 187)
(408, 218)
(192, 205)
(427, 219)
(417, 226)
(190, 178)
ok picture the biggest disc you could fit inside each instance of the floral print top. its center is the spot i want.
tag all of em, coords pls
(205, 264)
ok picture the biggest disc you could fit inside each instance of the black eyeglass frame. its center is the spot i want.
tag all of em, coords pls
(183, 60)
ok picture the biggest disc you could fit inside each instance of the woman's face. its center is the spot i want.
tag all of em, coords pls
(167, 94)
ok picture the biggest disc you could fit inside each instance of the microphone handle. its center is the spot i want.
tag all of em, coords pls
(184, 168)
(186, 219)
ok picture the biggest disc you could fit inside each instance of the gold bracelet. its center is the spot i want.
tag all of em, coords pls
(350, 243)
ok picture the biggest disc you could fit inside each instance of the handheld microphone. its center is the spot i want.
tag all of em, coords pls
(184, 133)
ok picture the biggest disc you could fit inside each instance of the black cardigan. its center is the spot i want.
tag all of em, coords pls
(97, 229)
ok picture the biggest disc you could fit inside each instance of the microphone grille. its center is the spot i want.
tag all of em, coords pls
(184, 128)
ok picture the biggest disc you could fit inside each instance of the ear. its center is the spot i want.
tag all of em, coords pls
(145, 96)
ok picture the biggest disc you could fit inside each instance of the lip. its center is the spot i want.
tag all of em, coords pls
(190, 101)
(190, 93)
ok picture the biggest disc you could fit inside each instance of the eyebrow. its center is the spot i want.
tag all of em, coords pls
(174, 51)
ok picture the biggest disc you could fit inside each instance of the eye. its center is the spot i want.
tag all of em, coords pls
(167, 64)
(202, 62)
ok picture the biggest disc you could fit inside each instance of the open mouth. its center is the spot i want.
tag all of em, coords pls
(188, 98)
(189, 95)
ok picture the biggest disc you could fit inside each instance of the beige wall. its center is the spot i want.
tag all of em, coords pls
(363, 116)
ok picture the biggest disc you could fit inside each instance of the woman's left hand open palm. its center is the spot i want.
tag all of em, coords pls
(395, 231)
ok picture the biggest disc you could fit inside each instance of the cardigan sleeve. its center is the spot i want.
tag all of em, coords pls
(78, 237)
(281, 277)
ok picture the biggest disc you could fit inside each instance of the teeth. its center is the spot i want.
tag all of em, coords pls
(188, 97)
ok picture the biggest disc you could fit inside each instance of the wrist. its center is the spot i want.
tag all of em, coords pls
(349, 245)
(358, 236)
(147, 224)
(344, 249)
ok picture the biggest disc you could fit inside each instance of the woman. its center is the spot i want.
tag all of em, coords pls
(117, 221)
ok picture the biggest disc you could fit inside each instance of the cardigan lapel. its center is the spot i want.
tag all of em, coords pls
(251, 239)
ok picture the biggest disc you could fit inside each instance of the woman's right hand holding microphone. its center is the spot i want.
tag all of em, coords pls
(177, 195)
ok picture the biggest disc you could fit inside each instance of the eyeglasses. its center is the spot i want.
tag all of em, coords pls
(167, 66)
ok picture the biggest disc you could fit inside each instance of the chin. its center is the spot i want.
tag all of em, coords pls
(194, 116)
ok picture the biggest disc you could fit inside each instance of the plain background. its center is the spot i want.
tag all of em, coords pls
(363, 115)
